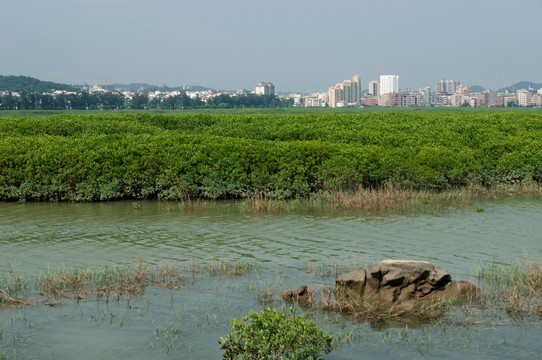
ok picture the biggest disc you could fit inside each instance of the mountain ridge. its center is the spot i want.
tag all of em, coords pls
(27, 83)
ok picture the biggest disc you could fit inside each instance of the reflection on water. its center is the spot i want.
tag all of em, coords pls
(37, 237)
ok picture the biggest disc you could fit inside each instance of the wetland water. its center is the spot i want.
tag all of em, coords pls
(187, 322)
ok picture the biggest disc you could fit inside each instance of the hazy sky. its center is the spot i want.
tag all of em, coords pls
(299, 45)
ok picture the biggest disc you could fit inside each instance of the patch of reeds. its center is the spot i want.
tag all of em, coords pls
(417, 312)
(381, 315)
(518, 288)
(12, 287)
(166, 338)
(221, 268)
(327, 271)
(387, 198)
(79, 283)
(193, 204)
(110, 282)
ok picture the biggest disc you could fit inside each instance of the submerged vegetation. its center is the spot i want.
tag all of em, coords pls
(509, 295)
(111, 283)
(271, 157)
(514, 289)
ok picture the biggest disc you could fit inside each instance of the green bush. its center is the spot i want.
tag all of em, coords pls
(272, 335)
(137, 156)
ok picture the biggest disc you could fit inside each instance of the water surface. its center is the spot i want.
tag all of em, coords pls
(40, 237)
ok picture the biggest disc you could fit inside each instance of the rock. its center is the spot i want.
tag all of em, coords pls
(400, 281)
(301, 294)
(455, 289)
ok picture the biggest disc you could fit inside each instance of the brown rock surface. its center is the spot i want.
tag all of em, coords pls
(400, 281)
(300, 294)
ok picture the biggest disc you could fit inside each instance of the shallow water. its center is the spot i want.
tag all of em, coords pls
(40, 237)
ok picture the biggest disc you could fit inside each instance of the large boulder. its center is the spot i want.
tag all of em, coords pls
(397, 282)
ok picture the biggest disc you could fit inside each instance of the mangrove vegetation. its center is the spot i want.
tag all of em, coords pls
(211, 156)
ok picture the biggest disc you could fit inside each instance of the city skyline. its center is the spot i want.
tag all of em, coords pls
(298, 46)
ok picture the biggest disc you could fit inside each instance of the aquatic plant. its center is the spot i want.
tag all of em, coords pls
(273, 335)
(516, 288)
(221, 268)
(112, 282)
(12, 287)
(167, 338)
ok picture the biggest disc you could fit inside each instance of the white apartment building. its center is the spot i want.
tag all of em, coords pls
(265, 88)
(314, 101)
(524, 97)
(389, 84)
(457, 99)
(426, 96)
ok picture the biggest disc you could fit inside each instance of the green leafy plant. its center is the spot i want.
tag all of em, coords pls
(108, 156)
(272, 335)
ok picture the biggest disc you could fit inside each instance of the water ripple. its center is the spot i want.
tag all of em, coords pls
(37, 236)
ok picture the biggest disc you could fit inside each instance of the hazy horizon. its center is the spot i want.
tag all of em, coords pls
(299, 46)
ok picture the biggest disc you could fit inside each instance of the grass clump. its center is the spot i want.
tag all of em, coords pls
(387, 198)
(221, 268)
(273, 335)
(167, 338)
(111, 282)
(518, 288)
(12, 287)
(122, 280)
(327, 270)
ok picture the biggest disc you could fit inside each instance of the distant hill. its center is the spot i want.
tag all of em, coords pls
(27, 83)
(477, 88)
(521, 85)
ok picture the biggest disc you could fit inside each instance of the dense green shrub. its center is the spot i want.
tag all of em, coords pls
(105, 156)
(271, 335)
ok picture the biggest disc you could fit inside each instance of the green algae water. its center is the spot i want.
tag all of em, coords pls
(186, 323)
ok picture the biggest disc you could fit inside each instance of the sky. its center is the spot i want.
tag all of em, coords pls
(299, 45)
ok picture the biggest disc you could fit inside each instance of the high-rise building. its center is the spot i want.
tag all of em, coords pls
(389, 84)
(524, 97)
(374, 87)
(446, 86)
(491, 97)
(347, 92)
(426, 96)
(440, 86)
(335, 94)
(265, 88)
(451, 86)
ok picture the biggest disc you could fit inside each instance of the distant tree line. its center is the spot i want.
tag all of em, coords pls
(260, 101)
(115, 101)
(222, 101)
(79, 101)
